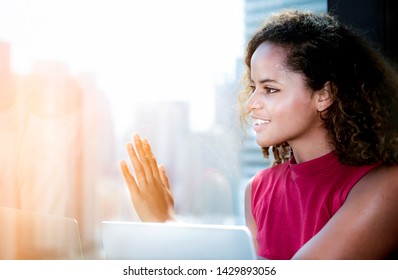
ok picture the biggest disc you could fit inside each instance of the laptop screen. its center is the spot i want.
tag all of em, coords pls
(27, 235)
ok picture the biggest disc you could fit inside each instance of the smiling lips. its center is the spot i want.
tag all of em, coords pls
(259, 123)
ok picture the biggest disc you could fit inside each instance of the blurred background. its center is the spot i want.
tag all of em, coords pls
(79, 78)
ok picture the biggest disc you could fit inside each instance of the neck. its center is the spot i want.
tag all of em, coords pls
(303, 157)
(306, 150)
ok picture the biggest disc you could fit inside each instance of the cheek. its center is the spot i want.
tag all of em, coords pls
(298, 112)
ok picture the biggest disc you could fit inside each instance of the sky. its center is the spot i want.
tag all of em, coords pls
(139, 51)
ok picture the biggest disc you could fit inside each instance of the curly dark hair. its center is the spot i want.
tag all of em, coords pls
(362, 121)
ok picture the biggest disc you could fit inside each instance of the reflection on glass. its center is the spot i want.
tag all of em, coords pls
(63, 133)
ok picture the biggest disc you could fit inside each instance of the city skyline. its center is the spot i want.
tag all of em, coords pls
(64, 124)
(137, 51)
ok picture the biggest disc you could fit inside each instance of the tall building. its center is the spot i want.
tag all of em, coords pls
(9, 130)
(4, 58)
(256, 11)
(201, 167)
(6, 94)
(166, 126)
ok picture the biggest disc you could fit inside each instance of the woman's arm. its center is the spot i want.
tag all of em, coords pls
(150, 189)
(366, 226)
(250, 222)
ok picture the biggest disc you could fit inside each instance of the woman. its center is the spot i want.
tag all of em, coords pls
(326, 103)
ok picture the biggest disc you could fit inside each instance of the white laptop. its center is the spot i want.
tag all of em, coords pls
(27, 235)
(176, 241)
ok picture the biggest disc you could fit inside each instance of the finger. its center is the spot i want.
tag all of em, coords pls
(138, 169)
(164, 178)
(143, 158)
(130, 181)
(165, 182)
(152, 161)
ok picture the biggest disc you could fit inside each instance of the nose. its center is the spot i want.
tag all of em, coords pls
(254, 102)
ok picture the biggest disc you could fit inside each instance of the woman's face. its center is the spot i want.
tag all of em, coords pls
(282, 108)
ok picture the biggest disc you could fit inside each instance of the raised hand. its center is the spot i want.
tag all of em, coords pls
(149, 190)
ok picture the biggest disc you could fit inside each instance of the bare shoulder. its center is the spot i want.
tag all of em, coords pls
(387, 174)
(374, 200)
(375, 196)
(379, 183)
(366, 226)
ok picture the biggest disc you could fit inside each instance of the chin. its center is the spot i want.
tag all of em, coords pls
(263, 142)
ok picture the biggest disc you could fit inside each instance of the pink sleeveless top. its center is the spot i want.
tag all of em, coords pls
(292, 202)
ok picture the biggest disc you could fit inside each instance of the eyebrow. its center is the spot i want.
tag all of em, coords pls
(266, 81)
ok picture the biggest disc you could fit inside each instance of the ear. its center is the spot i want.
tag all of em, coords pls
(325, 97)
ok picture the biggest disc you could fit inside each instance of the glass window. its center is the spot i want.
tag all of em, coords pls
(79, 78)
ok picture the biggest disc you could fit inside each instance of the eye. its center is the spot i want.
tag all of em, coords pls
(252, 88)
(270, 90)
